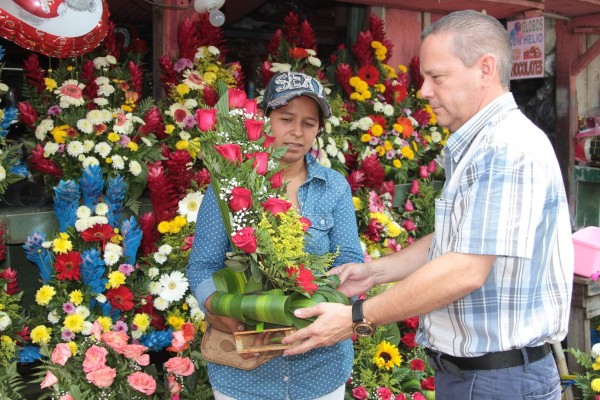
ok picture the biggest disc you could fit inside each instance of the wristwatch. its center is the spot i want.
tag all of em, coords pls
(361, 326)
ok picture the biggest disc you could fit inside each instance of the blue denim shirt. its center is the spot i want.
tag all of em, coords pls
(325, 199)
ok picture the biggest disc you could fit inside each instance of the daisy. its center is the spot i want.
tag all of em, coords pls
(75, 148)
(178, 112)
(193, 79)
(165, 249)
(124, 123)
(174, 286)
(50, 148)
(102, 80)
(118, 162)
(102, 149)
(135, 168)
(155, 288)
(190, 205)
(101, 101)
(101, 209)
(100, 62)
(43, 128)
(70, 93)
(153, 272)
(105, 90)
(89, 161)
(83, 311)
(161, 304)
(160, 258)
(5, 320)
(53, 317)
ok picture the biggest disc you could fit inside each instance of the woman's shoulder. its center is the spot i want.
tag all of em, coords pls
(330, 176)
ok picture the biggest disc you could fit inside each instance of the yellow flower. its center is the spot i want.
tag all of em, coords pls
(387, 145)
(105, 323)
(379, 87)
(380, 150)
(407, 152)
(376, 44)
(108, 160)
(182, 89)
(44, 295)
(356, 96)
(397, 163)
(595, 385)
(62, 244)
(163, 227)
(355, 80)
(367, 94)
(415, 145)
(76, 297)
(169, 129)
(175, 321)
(40, 334)
(357, 203)
(50, 84)
(182, 145)
(142, 321)
(6, 339)
(74, 322)
(365, 137)
(133, 146)
(433, 118)
(377, 130)
(402, 68)
(73, 347)
(210, 77)
(362, 87)
(391, 73)
(179, 221)
(59, 133)
(114, 137)
(115, 279)
(394, 229)
(387, 356)
(126, 108)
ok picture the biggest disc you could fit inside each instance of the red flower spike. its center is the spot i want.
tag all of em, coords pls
(137, 78)
(202, 178)
(110, 41)
(343, 73)
(374, 173)
(2, 242)
(27, 113)
(210, 96)
(67, 266)
(12, 285)
(377, 28)
(153, 124)
(120, 298)
(210, 35)
(273, 45)
(42, 164)
(150, 234)
(265, 73)
(168, 76)
(356, 180)
(292, 28)
(157, 321)
(178, 164)
(307, 36)
(414, 69)
(162, 193)
(34, 73)
(187, 39)
(362, 50)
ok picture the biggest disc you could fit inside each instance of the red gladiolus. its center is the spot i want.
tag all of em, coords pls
(389, 187)
(422, 116)
(98, 233)
(206, 119)
(245, 240)
(417, 364)
(150, 234)
(24, 334)
(120, 298)
(360, 393)
(276, 206)
(269, 140)
(343, 73)
(27, 113)
(423, 172)
(241, 199)
(304, 278)
(10, 275)
(237, 98)
(409, 340)
(414, 187)
(305, 223)
(276, 180)
(67, 266)
(231, 152)
(260, 162)
(428, 383)
(253, 129)
(250, 107)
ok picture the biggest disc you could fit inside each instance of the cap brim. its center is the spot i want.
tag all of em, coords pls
(284, 99)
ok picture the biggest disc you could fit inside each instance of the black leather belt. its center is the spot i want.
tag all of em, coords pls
(496, 360)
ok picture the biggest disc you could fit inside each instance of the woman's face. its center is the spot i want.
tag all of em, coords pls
(295, 126)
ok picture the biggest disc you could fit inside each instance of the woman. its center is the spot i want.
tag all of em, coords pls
(297, 107)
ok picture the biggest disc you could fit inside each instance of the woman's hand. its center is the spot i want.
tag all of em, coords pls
(355, 279)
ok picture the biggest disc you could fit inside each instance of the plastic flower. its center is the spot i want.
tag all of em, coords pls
(387, 355)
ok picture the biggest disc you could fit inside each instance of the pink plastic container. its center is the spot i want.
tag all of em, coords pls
(586, 244)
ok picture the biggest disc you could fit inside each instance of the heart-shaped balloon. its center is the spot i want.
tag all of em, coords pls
(57, 28)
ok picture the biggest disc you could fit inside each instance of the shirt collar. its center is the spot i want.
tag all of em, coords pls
(313, 168)
(459, 142)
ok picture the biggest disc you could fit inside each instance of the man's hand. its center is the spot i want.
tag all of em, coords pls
(333, 324)
(355, 279)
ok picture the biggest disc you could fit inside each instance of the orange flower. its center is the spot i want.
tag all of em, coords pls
(406, 127)
(298, 53)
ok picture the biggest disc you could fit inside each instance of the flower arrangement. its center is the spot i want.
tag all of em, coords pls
(588, 381)
(389, 365)
(269, 272)
(87, 114)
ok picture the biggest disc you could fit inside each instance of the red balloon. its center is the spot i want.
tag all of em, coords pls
(56, 28)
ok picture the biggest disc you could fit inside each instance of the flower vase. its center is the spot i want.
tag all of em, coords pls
(244, 340)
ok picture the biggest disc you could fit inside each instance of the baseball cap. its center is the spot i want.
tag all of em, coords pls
(286, 86)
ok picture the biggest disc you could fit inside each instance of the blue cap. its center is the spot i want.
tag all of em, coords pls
(286, 86)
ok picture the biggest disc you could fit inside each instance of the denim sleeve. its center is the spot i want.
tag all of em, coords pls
(344, 234)
(208, 252)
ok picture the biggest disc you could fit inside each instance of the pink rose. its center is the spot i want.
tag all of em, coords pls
(116, 340)
(67, 397)
(231, 152)
(423, 173)
(245, 240)
(408, 206)
(237, 98)
(180, 366)
(102, 377)
(136, 352)
(142, 382)
(418, 396)
(241, 199)
(206, 119)
(174, 386)
(360, 393)
(276, 180)
(250, 106)
(60, 354)
(414, 188)
(384, 393)
(260, 162)
(97, 330)
(178, 342)
(253, 129)
(409, 225)
(49, 380)
(305, 223)
(276, 206)
(95, 358)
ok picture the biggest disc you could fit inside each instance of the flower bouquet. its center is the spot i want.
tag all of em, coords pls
(269, 274)
(588, 381)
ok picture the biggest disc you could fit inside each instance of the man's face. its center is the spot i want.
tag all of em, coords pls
(454, 91)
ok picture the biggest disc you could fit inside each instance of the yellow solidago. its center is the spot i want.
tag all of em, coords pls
(62, 244)
(288, 241)
(115, 279)
(142, 321)
(44, 295)
(40, 334)
(76, 297)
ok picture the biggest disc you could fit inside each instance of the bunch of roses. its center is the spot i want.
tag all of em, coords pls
(266, 231)
(389, 365)
(87, 114)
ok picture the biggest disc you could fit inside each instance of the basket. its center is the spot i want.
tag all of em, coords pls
(586, 244)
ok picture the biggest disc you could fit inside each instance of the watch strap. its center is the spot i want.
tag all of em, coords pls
(357, 311)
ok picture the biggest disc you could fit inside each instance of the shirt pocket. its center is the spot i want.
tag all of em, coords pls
(317, 239)
(443, 226)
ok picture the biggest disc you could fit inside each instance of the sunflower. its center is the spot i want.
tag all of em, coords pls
(387, 355)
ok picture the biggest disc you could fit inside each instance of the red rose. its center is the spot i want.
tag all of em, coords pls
(409, 340)
(250, 106)
(260, 162)
(411, 323)
(305, 223)
(120, 298)
(384, 393)
(360, 393)
(276, 180)
(417, 364)
(241, 199)
(206, 118)
(245, 240)
(237, 98)
(231, 152)
(428, 383)
(414, 187)
(253, 129)
(276, 206)
(269, 140)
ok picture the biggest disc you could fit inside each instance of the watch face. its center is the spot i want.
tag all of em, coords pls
(364, 329)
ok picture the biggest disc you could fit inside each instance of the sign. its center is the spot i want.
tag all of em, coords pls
(527, 38)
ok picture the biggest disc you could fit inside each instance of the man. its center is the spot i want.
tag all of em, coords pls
(492, 285)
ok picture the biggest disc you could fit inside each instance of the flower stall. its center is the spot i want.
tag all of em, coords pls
(98, 305)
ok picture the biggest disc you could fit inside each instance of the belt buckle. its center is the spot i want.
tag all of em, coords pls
(439, 363)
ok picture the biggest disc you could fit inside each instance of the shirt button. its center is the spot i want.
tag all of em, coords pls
(322, 222)
(286, 378)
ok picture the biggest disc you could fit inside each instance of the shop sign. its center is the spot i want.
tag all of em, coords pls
(527, 38)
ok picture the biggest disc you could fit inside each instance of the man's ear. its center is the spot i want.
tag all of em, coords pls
(489, 69)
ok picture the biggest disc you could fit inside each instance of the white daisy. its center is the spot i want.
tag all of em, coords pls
(160, 258)
(102, 80)
(183, 135)
(101, 101)
(51, 148)
(75, 148)
(174, 286)
(82, 224)
(106, 90)
(5, 320)
(314, 61)
(101, 209)
(280, 67)
(45, 126)
(102, 149)
(155, 288)
(88, 145)
(165, 249)
(213, 50)
(190, 104)
(83, 311)
(153, 272)
(100, 220)
(388, 110)
(70, 93)
(436, 137)
(46, 244)
(193, 79)
(114, 248)
(123, 123)
(135, 168)
(111, 59)
(161, 304)
(118, 162)
(101, 298)
(111, 258)
(190, 205)
(53, 317)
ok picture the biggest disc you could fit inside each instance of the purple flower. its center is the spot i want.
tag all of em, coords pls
(69, 308)
(67, 335)
(120, 326)
(124, 141)
(189, 121)
(127, 269)
(374, 141)
(390, 154)
(182, 63)
(54, 110)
